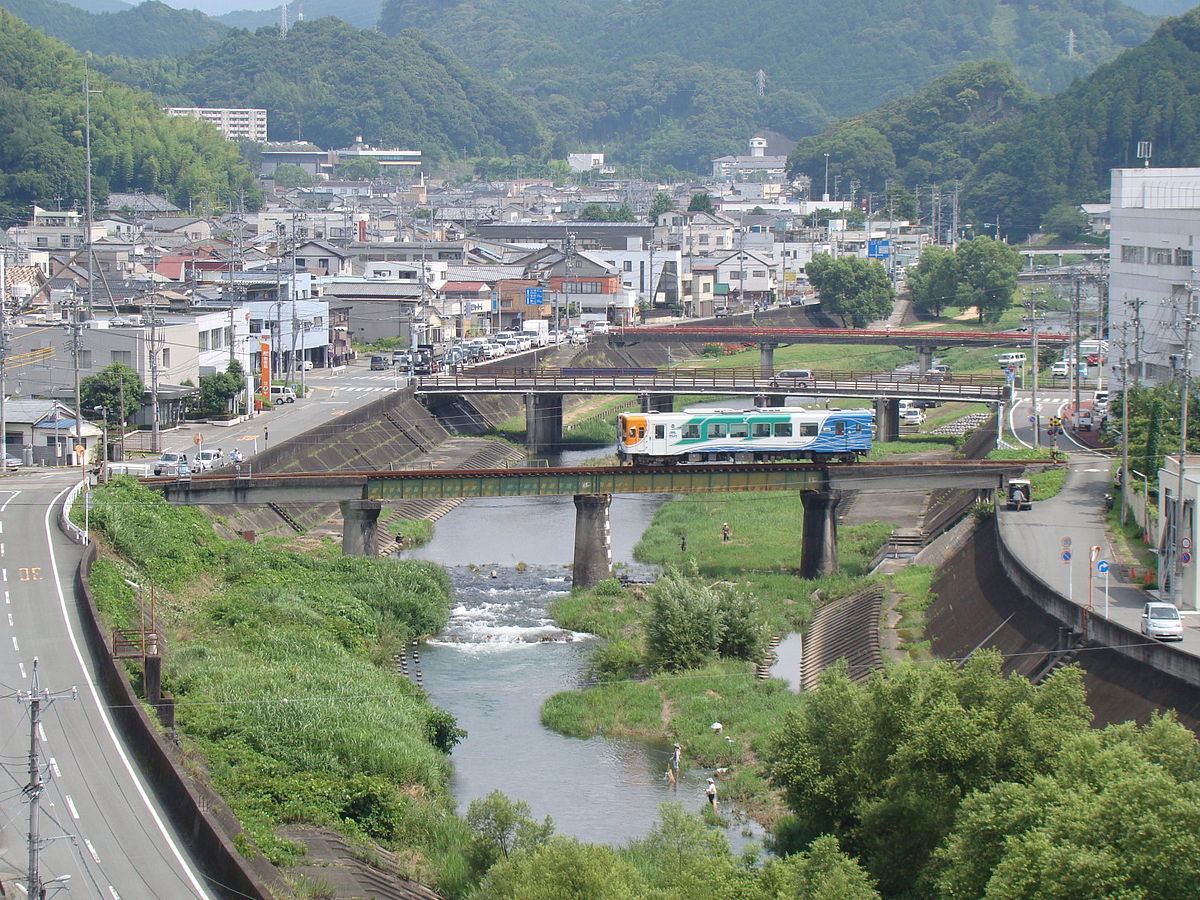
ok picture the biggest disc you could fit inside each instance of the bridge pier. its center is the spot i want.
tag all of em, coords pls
(766, 359)
(543, 421)
(657, 402)
(593, 540)
(763, 401)
(818, 548)
(924, 359)
(887, 419)
(360, 523)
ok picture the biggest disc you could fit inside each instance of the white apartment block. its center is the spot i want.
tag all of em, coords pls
(235, 124)
(1152, 275)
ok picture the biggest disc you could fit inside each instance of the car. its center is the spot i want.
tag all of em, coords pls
(282, 393)
(938, 369)
(1162, 620)
(208, 459)
(911, 415)
(11, 463)
(1093, 359)
(721, 312)
(793, 378)
(379, 363)
(1061, 369)
(170, 462)
(306, 365)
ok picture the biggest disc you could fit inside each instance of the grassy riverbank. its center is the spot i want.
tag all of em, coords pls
(280, 663)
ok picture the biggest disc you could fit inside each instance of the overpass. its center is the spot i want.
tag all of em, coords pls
(544, 389)
(361, 494)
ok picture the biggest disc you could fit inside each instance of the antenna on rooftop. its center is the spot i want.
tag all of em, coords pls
(1144, 150)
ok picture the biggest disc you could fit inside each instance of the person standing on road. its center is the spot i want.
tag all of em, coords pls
(725, 533)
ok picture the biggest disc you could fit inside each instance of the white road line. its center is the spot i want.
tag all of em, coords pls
(21, 666)
(58, 774)
(6, 599)
(192, 878)
(15, 647)
(71, 807)
(112, 890)
(10, 620)
(4, 574)
(4, 505)
(92, 850)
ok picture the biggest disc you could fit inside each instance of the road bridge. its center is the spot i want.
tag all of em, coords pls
(544, 389)
(925, 342)
(361, 494)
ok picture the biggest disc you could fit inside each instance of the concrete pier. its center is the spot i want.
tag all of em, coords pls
(818, 550)
(887, 419)
(360, 522)
(657, 403)
(924, 359)
(593, 540)
(766, 359)
(543, 422)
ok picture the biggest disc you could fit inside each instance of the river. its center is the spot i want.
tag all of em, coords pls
(493, 668)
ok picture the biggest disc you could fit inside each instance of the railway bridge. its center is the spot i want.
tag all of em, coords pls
(544, 390)
(361, 494)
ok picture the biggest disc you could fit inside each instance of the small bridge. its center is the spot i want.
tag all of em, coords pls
(544, 389)
(361, 494)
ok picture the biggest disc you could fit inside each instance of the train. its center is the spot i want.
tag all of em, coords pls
(744, 435)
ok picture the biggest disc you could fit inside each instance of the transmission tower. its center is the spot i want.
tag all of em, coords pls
(760, 82)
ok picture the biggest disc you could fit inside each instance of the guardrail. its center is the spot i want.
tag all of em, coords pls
(73, 531)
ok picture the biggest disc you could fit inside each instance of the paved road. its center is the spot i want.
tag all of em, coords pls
(99, 823)
(1078, 513)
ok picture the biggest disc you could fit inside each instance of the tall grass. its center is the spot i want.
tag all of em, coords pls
(279, 663)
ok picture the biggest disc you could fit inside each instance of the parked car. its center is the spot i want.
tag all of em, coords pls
(1161, 620)
(11, 463)
(911, 415)
(170, 463)
(282, 393)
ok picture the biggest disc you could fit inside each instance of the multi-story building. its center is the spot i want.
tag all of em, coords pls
(1153, 291)
(235, 124)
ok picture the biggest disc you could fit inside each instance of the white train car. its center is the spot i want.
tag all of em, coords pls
(745, 435)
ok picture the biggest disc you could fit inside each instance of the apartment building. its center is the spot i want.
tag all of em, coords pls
(235, 124)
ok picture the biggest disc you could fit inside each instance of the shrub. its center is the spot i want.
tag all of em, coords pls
(685, 623)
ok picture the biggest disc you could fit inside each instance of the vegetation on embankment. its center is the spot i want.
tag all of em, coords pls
(280, 662)
(1046, 483)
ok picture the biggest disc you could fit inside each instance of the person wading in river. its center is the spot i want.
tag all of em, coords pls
(710, 791)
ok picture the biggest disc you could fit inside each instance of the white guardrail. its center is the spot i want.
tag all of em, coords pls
(74, 532)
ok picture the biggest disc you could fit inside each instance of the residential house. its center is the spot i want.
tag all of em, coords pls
(695, 233)
(44, 433)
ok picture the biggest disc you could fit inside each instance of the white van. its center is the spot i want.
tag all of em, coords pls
(281, 393)
(1015, 360)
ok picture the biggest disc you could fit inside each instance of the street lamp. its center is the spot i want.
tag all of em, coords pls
(825, 196)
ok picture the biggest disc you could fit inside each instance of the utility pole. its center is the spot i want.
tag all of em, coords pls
(76, 349)
(3, 359)
(1186, 385)
(1075, 379)
(154, 424)
(1033, 326)
(1137, 303)
(1125, 421)
(38, 700)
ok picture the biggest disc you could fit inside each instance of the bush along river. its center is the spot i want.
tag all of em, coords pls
(501, 655)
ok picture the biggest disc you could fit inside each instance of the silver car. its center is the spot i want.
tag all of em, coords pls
(1162, 621)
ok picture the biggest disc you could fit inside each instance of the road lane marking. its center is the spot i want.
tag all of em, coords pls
(10, 620)
(57, 774)
(15, 647)
(21, 666)
(184, 864)
(7, 601)
(71, 807)
(4, 574)
(92, 850)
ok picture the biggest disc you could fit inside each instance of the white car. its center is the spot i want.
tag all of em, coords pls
(208, 459)
(1162, 621)
(170, 463)
(911, 415)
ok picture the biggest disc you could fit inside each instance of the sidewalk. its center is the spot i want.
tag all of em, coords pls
(1039, 538)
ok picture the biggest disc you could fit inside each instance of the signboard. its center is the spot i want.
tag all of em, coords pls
(1066, 542)
(1186, 557)
(533, 296)
(1102, 567)
(879, 249)
(1066, 556)
(1186, 543)
(264, 372)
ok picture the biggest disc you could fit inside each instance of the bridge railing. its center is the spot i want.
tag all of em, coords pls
(642, 380)
(768, 334)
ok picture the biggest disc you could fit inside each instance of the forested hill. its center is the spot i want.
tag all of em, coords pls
(359, 13)
(149, 30)
(328, 83)
(1016, 158)
(134, 144)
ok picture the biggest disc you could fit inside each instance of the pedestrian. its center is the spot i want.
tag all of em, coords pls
(725, 532)
(676, 757)
(710, 792)
(682, 549)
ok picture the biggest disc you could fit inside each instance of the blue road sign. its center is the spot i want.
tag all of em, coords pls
(1066, 555)
(879, 249)
(533, 296)
(1185, 558)
(1033, 420)
(1102, 566)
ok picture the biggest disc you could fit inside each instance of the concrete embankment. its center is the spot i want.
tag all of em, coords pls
(979, 605)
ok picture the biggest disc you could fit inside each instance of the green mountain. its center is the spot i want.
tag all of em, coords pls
(359, 13)
(134, 144)
(1016, 157)
(329, 83)
(101, 6)
(150, 30)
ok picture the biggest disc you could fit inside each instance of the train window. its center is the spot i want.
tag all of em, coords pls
(839, 427)
(740, 430)
(809, 429)
(641, 433)
(762, 429)
(717, 430)
(660, 431)
(783, 429)
(691, 432)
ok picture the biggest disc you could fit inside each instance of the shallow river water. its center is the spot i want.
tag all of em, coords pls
(501, 656)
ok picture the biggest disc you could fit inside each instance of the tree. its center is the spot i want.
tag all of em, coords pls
(857, 290)
(363, 168)
(685, 622)
(561, 869)
(661, 203)
(684, 859)
(900, 202)
(987, 276)
(1066, 220)
(701, 203)
(885, 764)
(217, 391)
(822, 872)
(117, 389)
(934, 280)
(500, 827)
(289, 175)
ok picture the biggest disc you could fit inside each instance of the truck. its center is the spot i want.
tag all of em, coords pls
(538, 330)
(426, 360)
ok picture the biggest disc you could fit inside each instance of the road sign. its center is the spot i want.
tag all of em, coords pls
(1102, 567)
(1186, 543)
(197, 439)
(1094, 554)
(1186, 557)
(1066, 542)
(1066, 556)
(1033, 420)
(879, 249)
(533, 296)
